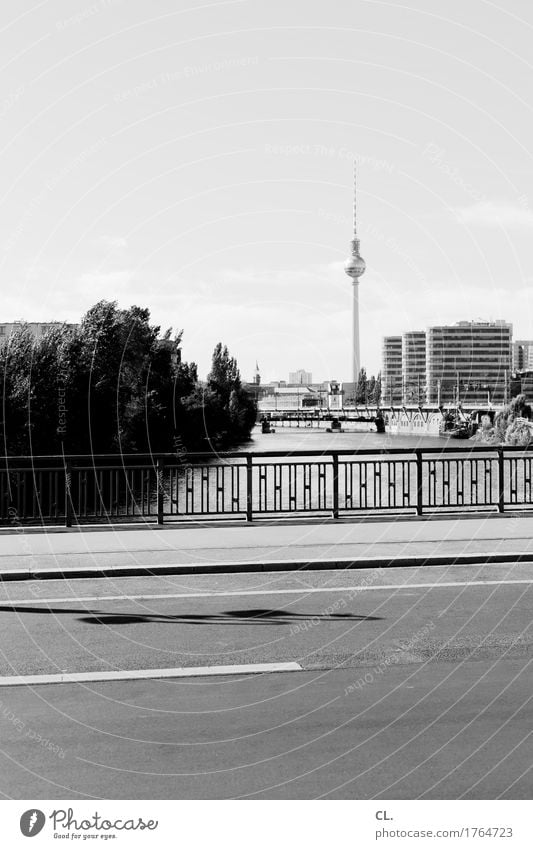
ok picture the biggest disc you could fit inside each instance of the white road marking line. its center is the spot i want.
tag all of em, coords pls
(134, 674)
(290, 591)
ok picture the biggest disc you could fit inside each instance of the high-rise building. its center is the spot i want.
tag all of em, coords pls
(301, 377)
(391, 373)
(522, 354)
(468, 362)
(414, 367)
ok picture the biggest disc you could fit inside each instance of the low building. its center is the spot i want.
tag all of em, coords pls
(301, 377)
(36, 328)
(288, 398)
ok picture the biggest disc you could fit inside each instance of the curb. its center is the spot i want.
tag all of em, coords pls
(217, 568)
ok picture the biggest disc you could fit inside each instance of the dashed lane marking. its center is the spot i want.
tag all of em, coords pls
(136, 674)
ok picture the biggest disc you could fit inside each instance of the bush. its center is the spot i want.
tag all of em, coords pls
(509, 427)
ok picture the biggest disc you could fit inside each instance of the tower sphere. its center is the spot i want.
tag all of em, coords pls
(355, 266)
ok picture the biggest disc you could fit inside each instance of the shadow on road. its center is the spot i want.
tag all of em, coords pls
(251, 616)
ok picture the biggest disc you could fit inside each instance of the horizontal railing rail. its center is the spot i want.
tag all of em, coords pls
(264, 485)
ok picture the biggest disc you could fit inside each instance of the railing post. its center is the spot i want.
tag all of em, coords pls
(249, 488)
(68, 494)
(501, 482)
(419, 482)
(160, 491)
(335, 511)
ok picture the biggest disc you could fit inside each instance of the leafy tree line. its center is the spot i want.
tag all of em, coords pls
(114, 384)
(368, 389)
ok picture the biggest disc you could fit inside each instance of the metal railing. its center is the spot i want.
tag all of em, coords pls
(266, 484)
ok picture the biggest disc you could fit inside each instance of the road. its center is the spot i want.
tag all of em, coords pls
(411, 683)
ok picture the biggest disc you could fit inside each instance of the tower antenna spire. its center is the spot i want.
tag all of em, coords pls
(355, 197)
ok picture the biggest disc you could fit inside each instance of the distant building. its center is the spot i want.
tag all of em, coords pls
(391, 373)
(38, 329)
(289, 398)
(300, 377)
(468, 362)
(335, 395)
(521, 382)
(349, 388)
(414, 367)
(522, 355)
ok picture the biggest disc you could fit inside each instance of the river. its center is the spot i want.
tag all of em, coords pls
(306, 439)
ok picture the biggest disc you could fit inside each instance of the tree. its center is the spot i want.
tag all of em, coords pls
(360, 389)
(232, 411)
(371, 390)
(377, 390)
(15, 367)
(224, 376)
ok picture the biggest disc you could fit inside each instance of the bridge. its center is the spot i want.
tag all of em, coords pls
(391, 414)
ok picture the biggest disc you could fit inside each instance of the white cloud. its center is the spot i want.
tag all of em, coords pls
(105, 282)
(113, 242)
(506, 215)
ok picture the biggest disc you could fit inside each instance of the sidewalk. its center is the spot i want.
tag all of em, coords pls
(92, 552)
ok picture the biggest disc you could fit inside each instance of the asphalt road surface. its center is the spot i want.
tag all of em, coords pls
(411, 683)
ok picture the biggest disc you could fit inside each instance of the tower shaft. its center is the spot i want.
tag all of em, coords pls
(356, 344)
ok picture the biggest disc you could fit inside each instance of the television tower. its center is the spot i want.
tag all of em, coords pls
(354, 268)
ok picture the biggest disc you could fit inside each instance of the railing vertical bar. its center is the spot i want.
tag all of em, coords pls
(249, 489)
(501, 481)
(335, 511)
(160, 492)
(68, 500)
(419, 482)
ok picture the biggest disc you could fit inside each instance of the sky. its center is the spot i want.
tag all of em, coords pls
(196, 159)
